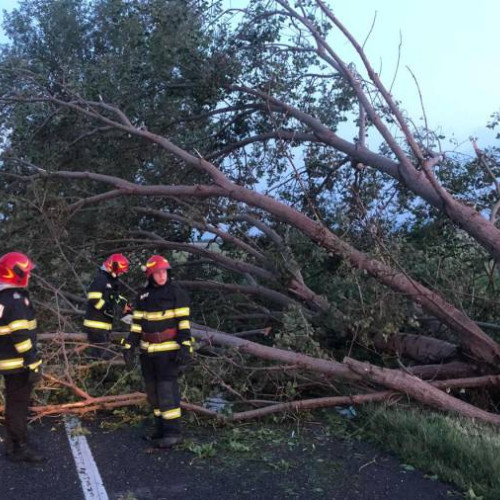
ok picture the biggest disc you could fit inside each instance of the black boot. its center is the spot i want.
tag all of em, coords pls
(23, 453)
(171, 434)
(156, 432)
(168, 441)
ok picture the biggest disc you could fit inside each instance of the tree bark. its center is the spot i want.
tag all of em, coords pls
(420, 390)
(90, 404)
(436, 371)
(352, 370)
(455, 369)
(417, 347)
(358, 399)
(477, 343)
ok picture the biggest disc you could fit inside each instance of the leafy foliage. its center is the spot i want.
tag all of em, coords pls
(180, 69)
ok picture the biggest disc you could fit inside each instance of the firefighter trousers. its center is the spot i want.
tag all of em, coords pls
(100, 340)
(161, 374)
(17, 399)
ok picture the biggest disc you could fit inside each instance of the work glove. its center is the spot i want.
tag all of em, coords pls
(34, 373)
(128, 352)
(183, 356)
(121, 303)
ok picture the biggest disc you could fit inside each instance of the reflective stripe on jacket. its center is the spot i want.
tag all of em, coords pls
(102, 296)
(17, 331)
(159, 308)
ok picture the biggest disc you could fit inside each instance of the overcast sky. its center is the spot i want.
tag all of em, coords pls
(451, 46)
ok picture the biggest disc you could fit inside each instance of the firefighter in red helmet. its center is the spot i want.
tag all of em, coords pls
(104, 300)
(161, 331)
(19, 360)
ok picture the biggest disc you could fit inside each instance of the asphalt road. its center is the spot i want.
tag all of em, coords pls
(55, 479)
(323, 468)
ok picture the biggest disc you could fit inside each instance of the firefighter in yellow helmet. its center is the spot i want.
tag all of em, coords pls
(103, 300)
(161, 330)
(19, 360)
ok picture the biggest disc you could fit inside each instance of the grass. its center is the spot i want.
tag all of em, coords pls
(454, 449)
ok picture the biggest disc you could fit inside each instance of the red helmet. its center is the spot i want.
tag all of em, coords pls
(15, 268)
(116, 264)
(156, 263)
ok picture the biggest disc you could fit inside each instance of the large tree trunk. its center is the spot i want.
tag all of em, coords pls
(477, 343)
(352, 370)
(455, 369)
(474, 340)
(420, 390)
(417, 347)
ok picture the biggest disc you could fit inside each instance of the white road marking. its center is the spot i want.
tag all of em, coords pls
(92, 485)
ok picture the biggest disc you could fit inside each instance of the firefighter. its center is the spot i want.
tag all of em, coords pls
(19, 361)
(161, 331)
(103, 301)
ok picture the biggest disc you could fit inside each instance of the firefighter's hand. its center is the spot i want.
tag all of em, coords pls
(35, 375)
(183, 356)
(127, 308)
(128, 351)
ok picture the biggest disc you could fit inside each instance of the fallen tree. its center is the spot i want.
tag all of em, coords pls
(453, 369)
(411, 162)
(399, 382)
(422, 391)
(477, 343)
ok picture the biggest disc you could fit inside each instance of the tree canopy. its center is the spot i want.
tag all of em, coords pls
(213, 136)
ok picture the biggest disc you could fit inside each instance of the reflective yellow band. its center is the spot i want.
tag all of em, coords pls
(35, 365)
(184, 324)
(23, 346)
(171, 414)
(136, 328)
(161, 315)
(171, 345)
(97, 324)
(190, 345)
(156, 412)
(11, 364)
(181, 311)
(138, 314)
(125, 344)
(100, 304)
(22, 324)
(94, 295)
